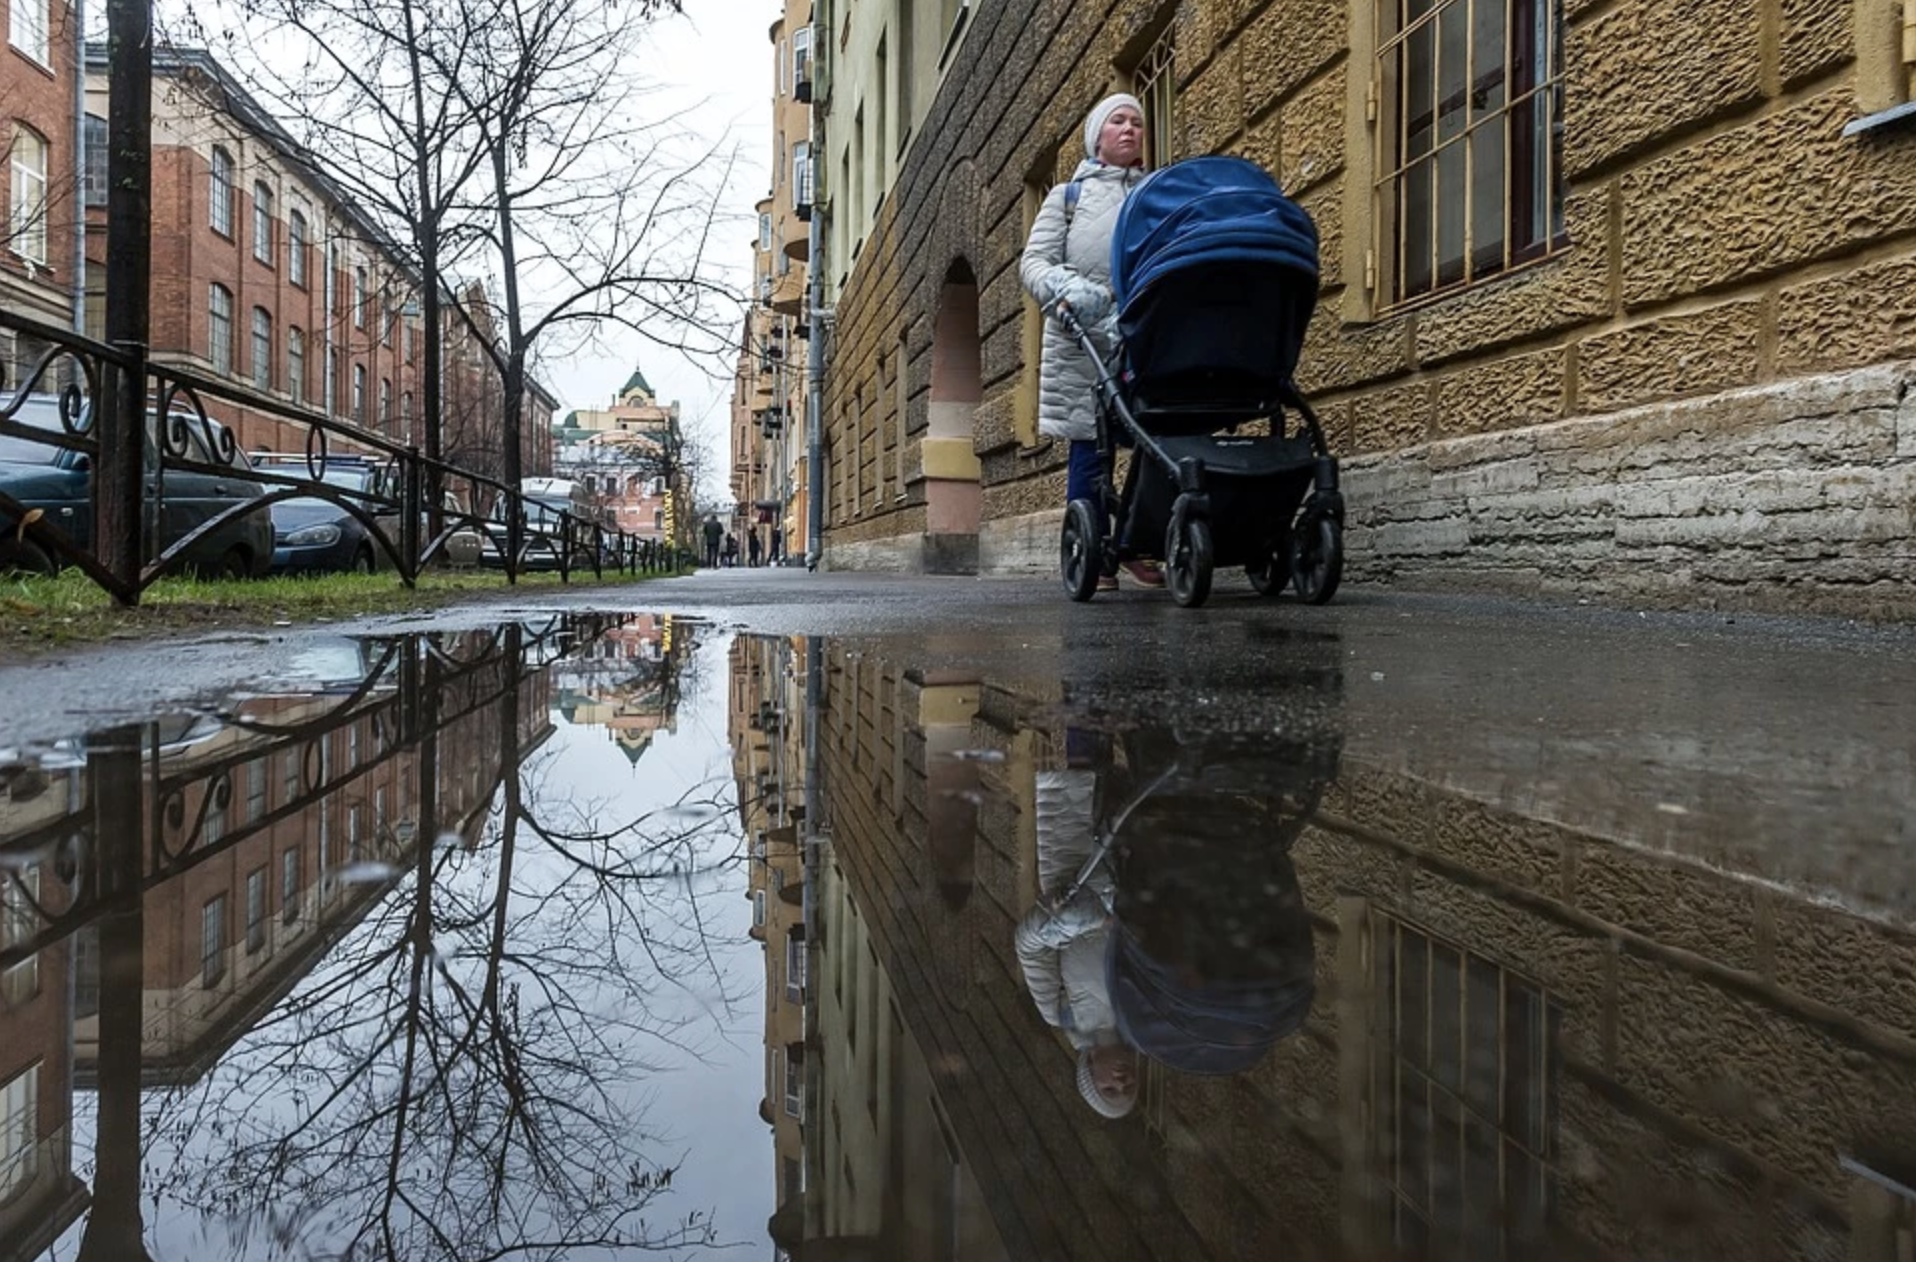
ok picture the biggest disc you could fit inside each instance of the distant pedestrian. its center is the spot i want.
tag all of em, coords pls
(731, 550)
(714, 537)
(778, 544)
(753, 548)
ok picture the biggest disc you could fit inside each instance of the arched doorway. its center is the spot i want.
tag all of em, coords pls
(949, 457)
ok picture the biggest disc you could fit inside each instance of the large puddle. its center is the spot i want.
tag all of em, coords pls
(563, 939)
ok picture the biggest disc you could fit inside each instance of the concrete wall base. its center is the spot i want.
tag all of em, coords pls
(1795, 497)
(944, 553)
(1023, 545)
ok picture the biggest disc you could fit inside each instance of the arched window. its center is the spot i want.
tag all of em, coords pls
(221, 214)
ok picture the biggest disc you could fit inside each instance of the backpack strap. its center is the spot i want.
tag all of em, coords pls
(1072, 192)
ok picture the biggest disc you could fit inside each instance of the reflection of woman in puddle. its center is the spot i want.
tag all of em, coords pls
(1062, 941)
(1170, 922)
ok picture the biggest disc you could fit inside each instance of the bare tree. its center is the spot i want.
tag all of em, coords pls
(605, 217)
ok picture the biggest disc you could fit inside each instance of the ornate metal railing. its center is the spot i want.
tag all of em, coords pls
(411, 508)
(177, 794)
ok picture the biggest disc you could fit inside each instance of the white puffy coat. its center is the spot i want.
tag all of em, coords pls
(1053, 258)
(1061, 947)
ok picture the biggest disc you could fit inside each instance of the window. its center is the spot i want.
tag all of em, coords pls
(27, 225)
(28, 30)
(903, 111)
(289, 789)
(385, 401)
(19, 895)
(765, 233)
(255, 910)
(263, 223)
(256, 790)
(213, 941)
(359, 393)
(332, 279)
(95, 142)
(289, 887)
(802, 173)
(359, 297)
(1470, 184)
(794, 967)
(758, 909)
(296, 248)
(802, 58)
(222, 192)
(1466, 1068)
(19, 1117)
(405, 340)
(405, 406)
(784, 69)
(1154, 83)
(795, 1080)
(329, 386)
(262, 348)
(219, 329)
(296, 364)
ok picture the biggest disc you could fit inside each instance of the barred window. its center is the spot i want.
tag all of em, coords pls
(1471, 179)
(1154, 83)
(1467, 1078)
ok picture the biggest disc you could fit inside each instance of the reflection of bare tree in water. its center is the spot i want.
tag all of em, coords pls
(465, 1076)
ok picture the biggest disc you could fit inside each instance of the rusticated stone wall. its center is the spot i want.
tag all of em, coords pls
(1721, 1040)
(1731, 258)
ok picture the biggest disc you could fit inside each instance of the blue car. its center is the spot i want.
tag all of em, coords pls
(59, 483)
(312, 535)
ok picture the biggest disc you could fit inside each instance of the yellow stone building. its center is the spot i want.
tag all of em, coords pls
(1616, 299)
(770, 475)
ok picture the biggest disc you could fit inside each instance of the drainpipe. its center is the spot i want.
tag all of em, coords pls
(815, 380)
(79, 167)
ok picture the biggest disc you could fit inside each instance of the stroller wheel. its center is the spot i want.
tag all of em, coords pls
(1081, 550)
(1272, 574)
(1187, 553)
(1317, 557)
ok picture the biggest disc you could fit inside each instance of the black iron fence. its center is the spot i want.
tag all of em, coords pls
(201, 502)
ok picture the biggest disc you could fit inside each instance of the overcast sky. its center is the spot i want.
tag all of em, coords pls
(716, 60)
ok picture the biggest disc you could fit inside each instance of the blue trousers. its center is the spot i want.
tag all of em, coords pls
(1081, 474)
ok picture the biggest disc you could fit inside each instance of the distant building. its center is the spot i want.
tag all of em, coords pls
(624, 455)
(39, 261)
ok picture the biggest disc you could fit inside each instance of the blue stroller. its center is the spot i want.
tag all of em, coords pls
(1215, 276)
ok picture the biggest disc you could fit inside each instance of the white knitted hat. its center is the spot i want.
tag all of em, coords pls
(1094, 121)
(1088, 1088)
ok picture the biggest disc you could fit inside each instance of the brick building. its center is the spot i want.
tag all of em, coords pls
(1610, 320)
(39, 257)
(264, 271)
(770, 473)
(1551, 1019)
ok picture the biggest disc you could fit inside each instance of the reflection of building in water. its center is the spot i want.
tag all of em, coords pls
(625, 682)
(39, 1197)
(868, 1164)
(766, 752)
(1527, 1041)
(280, 826)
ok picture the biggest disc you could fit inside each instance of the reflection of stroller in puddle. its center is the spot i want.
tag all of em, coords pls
(1170, 924)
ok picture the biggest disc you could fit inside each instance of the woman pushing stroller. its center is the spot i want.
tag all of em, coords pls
(1067, 258)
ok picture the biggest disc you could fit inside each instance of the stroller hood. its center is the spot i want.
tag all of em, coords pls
(1221, 1026)
(1209, 211)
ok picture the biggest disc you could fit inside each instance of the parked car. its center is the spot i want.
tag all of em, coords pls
(59, 482)
(548, 500)
(465, 543)
(312, 534)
